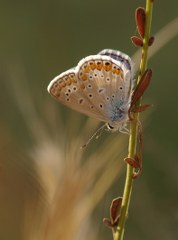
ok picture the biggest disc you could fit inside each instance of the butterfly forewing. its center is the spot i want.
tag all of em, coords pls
(104, 83)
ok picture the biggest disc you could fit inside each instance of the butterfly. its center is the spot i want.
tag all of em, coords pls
(100, 86)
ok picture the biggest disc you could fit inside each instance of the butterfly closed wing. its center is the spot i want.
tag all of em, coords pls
(100, 86)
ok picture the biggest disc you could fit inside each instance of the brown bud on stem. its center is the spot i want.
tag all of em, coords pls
(151, 41)
(141, 87)
(138, 42)
(140, 17)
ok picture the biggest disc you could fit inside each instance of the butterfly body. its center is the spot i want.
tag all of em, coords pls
(100, 86)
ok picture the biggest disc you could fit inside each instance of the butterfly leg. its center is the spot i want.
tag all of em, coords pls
(124, 129)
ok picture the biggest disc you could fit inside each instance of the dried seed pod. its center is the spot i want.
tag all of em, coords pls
(136, 163)
(141, 87)
(107, 222)
(138, 42)
(140, 17)
(132, 162)
(140, 108)
(115, 208)
(151, 41)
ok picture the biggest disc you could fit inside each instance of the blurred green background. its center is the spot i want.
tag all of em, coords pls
(42, 165)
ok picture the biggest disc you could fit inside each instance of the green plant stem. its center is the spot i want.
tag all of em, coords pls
(119, 233)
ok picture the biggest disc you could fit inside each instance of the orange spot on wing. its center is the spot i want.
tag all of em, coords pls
(92, 66)
(59, 87)
(84, 77)
(107, 67)
(99, 66)
(114, 70)
(118, 71)
(68, 81)
(82, 86)
(62, 84)
(74, 80)
(86, 69)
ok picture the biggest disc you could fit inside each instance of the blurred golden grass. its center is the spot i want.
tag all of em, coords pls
(67, 182)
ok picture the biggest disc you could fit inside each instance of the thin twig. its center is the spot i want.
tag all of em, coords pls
(162, 37)
(119, 233)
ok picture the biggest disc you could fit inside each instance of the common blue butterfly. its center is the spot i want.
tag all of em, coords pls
(100, 86)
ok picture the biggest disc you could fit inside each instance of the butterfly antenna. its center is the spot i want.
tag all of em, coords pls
(96, 134)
